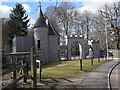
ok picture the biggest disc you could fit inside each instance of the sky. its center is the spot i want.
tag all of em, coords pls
(31, 6)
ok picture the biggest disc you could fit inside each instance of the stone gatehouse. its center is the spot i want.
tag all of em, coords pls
(45, 38)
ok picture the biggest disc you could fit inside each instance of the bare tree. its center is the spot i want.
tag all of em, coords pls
(61, 16)
(99, 30)
(111, 13)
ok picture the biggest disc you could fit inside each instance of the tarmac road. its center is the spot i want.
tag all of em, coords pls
(115, 77)
(98, 78)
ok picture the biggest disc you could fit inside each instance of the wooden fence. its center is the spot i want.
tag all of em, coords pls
(13, 63)
(21, 62)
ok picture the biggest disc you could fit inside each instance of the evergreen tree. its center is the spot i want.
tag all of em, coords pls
(18, 22)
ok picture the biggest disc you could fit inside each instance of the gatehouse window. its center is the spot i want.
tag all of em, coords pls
(38, 44)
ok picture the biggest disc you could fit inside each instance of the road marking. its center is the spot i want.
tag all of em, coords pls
(109, 75)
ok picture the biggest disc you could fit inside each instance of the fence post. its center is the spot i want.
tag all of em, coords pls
(14, 78)
(14, 72)
(27, 67)
(33, 67)
(25, 71)
(27, 64)
(80, 64)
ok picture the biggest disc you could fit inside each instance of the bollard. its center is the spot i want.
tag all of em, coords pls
(80, 64)
(98, 59)
(91, 61)
(106, 58)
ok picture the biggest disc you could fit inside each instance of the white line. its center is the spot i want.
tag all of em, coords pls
(109, 74)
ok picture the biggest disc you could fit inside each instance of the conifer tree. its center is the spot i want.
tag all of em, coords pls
(18, 22)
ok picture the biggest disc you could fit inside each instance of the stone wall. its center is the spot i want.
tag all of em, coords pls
(22, 43)
(54, 48)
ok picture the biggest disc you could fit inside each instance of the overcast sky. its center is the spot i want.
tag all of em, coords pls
(30, 7)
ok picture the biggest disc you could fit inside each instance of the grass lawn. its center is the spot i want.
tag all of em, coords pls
(62, 69)
(116, 56)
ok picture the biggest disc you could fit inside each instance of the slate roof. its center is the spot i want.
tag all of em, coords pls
(51, 29)
(40, 22)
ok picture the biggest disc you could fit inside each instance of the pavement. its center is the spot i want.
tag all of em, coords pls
(97, 78)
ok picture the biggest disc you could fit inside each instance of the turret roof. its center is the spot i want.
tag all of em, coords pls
(40, 22)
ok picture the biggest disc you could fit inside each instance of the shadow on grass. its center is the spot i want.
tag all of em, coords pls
(51, 64)
(67, 80)
(55, 80)
(85, 70)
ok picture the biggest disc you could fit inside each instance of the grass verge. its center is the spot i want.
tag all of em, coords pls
(64, 69)
(116, 56)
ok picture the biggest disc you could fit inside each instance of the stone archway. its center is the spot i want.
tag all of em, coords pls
(75, 50)
(80, 40)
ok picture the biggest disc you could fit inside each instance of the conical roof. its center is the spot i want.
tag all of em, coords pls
(40, 22)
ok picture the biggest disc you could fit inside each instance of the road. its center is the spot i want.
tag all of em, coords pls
(98, 78)
(115, 78)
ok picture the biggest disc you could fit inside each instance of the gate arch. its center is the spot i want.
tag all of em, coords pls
(80, 40)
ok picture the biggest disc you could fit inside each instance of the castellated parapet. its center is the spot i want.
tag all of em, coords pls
(75, 36)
